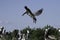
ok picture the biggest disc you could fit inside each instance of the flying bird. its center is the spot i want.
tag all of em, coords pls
(31, 14)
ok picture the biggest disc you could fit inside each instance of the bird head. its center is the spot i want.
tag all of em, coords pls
(25, 7)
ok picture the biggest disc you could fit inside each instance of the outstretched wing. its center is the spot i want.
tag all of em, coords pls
(24, 13)
(39, 12)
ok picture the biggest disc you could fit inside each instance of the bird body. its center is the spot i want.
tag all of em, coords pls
(29, 12)
(48, 36)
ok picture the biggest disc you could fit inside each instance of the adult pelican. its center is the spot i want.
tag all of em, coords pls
(32, 15)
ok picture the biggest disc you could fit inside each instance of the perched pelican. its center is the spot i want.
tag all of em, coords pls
(29, 12)
(47, 36)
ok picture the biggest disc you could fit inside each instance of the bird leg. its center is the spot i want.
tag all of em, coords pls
(34, 20)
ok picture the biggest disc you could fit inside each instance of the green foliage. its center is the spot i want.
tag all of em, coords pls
(15, 33)
(34, 34)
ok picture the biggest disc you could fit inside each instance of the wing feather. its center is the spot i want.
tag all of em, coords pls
(38, 12)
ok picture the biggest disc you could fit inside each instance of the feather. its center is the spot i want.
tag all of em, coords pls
(38, 12)
(24, 13)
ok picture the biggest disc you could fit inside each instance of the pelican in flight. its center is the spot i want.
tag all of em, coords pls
(32, 15)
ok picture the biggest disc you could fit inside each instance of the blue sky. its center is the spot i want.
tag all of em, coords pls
(11, 11)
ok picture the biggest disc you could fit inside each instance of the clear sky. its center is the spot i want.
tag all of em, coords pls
(11, 11)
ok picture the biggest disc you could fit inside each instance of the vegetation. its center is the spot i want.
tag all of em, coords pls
(34, 34)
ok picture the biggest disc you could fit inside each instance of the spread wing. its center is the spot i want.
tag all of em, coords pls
(24, 13)
(39, 12)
